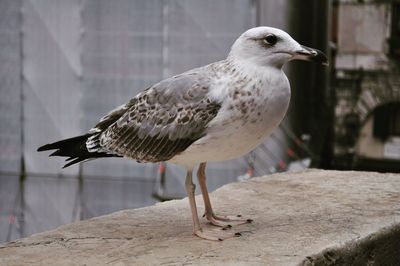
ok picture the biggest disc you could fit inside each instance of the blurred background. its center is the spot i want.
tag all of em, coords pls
(66, 63)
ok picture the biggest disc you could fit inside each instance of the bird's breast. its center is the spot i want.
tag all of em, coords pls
(255, 109)
(247, 116)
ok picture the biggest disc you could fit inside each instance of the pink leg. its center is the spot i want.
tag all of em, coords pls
(197, 230)
(224, 221)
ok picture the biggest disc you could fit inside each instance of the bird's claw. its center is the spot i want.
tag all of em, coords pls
(227, 221)
(216, 235)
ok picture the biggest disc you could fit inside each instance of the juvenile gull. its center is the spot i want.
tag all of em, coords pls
(212, 113)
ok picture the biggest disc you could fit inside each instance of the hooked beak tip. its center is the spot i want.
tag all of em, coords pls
(312, 55)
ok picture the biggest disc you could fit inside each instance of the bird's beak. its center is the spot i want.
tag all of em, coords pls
(311, 54)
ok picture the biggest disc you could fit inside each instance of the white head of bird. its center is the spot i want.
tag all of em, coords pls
(271, 47)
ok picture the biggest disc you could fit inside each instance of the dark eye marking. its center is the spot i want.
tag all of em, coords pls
(267, 41)
(270, 39)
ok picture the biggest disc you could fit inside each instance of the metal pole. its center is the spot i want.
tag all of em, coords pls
(22, 174)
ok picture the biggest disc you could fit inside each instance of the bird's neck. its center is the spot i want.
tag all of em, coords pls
(251, 68)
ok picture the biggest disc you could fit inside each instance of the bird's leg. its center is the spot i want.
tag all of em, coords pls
(197, 230)
(190, 188)
(223, 221)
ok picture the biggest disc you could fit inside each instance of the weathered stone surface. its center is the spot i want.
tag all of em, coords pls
(380, 248)
(295, 215)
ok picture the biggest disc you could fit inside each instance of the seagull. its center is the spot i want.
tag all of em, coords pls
(212, 113)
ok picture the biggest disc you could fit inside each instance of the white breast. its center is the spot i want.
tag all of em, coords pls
(247, 116)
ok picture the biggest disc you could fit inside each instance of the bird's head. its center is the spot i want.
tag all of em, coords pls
(266, 46)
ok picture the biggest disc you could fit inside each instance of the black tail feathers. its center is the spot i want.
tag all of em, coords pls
(75, 149)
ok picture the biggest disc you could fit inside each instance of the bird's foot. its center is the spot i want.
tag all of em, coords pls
(227, 221)
(215, 235)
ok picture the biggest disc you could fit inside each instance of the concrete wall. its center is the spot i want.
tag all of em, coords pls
(363, 31)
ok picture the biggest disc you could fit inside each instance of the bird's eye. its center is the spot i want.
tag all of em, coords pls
(270, 39)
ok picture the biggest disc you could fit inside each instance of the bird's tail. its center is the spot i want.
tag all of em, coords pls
(75, 149)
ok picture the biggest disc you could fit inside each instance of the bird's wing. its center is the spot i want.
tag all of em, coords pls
(161, 121)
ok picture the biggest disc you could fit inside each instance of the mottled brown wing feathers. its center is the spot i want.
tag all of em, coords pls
(161, 121)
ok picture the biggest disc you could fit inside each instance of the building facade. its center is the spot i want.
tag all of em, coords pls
(366, 79)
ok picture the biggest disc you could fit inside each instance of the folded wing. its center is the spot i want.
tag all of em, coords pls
(158, 123)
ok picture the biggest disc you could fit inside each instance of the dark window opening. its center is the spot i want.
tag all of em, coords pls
(387, 121)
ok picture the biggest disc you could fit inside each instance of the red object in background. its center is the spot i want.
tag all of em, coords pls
(12, 219)
(250, 172)
(290, 152)
(161, 168)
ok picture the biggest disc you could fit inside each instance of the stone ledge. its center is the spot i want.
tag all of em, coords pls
(328, 213)
(380, 248)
